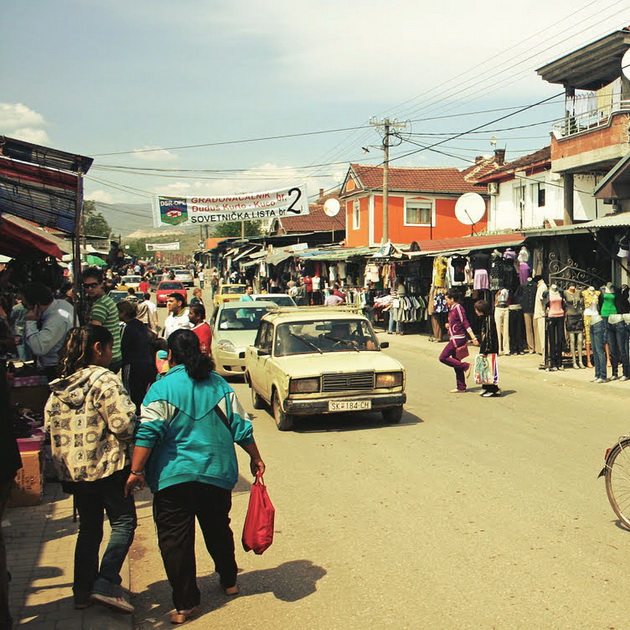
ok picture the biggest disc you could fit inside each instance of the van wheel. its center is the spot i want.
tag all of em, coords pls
(284, 421)
(393, 414)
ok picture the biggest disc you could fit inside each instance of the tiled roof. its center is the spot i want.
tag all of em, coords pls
(538, 158)
(413, 179)
(479, 241)
(317, 220)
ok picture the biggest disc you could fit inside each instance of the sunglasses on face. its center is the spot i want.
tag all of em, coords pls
(90, 285)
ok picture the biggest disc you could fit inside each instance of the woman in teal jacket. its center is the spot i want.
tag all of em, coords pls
(184, 450)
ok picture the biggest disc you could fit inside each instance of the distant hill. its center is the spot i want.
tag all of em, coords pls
(134, 219)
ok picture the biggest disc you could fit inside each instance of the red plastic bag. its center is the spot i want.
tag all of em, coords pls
(258, 528)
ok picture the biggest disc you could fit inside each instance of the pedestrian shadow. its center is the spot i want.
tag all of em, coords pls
(288, 582)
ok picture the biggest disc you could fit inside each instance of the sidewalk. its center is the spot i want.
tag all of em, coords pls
(40, 556)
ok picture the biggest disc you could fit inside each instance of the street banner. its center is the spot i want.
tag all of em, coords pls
(161, 247)
(286, 202)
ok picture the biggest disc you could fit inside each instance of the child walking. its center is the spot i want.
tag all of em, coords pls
(487, 373)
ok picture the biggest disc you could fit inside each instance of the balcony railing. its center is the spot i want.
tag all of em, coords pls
(588, 120)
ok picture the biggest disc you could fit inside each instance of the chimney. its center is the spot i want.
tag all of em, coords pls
(321, 193)
(499, 156)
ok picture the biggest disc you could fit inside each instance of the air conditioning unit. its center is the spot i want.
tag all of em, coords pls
(493, 188)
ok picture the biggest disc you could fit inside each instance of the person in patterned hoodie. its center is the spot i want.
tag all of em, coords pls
(91, 421)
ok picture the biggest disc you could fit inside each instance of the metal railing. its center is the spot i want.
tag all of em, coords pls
(589, 120)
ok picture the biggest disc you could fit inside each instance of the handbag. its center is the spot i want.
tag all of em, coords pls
(461, 352)
(258, 527)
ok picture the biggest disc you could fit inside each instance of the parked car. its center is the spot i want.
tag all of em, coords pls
(314, 360)
(281, 299)
(166, 287)
(117, 295)
(234, 327)
(127, 282)
(229, 293)
(185, 276)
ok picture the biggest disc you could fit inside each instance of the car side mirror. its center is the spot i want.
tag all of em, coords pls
(263, 352)
(384, 344)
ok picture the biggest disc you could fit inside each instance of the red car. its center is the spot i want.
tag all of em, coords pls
(166, 287)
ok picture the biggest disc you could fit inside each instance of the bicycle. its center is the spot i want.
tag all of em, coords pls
(616, 472)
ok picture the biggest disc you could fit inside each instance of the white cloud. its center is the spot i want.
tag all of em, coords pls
(101, 195)
(154, 154)
(261, 178)
(20, 121)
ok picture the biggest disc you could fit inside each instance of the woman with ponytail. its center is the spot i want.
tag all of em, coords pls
(184, 449)
(91, 421)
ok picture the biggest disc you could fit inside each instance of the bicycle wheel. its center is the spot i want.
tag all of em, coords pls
(618, 480)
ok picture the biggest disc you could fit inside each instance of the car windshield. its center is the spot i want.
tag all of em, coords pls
(280, 300)
(322, 336)
(236, 289)
(241, 318)
(166, 286)
(131, 279)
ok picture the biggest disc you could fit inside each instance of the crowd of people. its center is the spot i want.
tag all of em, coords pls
(130, 404)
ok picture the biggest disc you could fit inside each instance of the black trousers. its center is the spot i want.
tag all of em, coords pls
(174, 510)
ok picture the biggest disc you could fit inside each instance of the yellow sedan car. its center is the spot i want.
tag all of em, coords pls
(229, 293)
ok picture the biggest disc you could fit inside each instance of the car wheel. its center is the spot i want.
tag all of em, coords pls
(284, 421)
(393, 414)
(257, 401)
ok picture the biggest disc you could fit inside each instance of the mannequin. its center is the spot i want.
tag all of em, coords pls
(524, 270)
(617, 334)
(480, 263)
(597, 333)
(575, 324)
(555, 326)
(501, 319)
(539, 317)
(496, 270)
(591, 301)
(525, 295)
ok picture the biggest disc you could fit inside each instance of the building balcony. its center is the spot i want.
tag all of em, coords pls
(592, 141)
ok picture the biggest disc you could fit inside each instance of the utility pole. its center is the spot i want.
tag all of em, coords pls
(387, 125)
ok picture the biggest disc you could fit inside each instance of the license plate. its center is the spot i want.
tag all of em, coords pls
(349, 405)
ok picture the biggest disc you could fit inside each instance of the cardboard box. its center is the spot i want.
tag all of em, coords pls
(29, 482)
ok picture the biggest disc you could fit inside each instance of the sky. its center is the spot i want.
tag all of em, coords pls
(131, 83)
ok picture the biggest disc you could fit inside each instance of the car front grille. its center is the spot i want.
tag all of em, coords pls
(342, 382)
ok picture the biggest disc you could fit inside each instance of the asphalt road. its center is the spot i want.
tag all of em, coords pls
(471, 513)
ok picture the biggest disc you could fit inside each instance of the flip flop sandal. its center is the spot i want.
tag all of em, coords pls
(182, 616)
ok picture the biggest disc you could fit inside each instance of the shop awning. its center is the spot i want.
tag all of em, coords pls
(465, 244)
(40, 184)
(18, 237)
(621, 219)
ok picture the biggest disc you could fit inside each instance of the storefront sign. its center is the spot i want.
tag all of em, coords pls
(160, 247)
(287, 202)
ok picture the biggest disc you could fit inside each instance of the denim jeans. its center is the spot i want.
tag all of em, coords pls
(92, 500)
(598, 340)
(618, 343)
(394, 326)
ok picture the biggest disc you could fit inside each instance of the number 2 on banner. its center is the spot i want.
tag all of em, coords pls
(299, 194)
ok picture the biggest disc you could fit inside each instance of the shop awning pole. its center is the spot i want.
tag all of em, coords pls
(76, 261)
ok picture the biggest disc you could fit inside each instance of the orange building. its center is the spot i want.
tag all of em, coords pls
(421, 202)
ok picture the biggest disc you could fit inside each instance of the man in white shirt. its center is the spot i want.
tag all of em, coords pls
(178, 314)
(152, 312)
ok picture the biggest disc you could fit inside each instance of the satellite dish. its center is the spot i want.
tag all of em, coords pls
(625, 64)
(331, 207)
(470, 208)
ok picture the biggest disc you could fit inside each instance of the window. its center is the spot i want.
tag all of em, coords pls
(356, 214)
(419, 213)
(540, 195)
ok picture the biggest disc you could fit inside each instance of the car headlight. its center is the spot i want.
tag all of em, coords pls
(389, 379)
(304, 385)
(226, 345)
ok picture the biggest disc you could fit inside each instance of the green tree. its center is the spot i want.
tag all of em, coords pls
(94, 223)
(233, 228)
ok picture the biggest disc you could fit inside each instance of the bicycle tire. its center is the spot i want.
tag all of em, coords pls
(617, 477)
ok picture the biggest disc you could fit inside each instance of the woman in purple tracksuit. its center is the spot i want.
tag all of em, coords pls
(458, 328)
